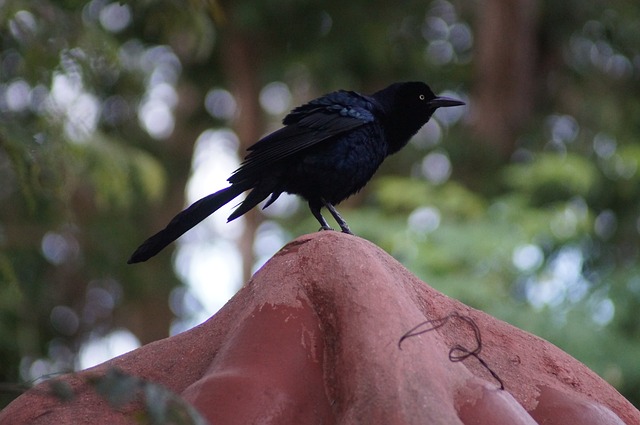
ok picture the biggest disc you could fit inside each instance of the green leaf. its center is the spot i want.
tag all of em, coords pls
(552, 177)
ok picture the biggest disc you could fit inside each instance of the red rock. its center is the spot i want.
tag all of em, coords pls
(313, 339)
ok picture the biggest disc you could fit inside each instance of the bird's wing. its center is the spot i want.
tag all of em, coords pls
(318, 121)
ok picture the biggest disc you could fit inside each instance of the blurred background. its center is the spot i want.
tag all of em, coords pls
(116, 115)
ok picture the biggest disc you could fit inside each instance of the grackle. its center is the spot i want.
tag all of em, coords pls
(327, 150)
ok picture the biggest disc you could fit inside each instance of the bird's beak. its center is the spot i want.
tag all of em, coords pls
(443, 102)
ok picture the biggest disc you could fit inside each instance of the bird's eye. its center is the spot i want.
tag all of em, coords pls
(421, 97)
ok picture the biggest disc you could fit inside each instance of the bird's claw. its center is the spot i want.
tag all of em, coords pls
(325, 228)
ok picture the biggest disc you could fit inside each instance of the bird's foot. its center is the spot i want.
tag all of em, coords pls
(346, 230)
(325, 228)
(344, 226)
(341, 222)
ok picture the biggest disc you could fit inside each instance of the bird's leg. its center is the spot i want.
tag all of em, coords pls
(315, 210)
(343, 224)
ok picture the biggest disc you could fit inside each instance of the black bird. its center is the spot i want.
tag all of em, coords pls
(327, 150)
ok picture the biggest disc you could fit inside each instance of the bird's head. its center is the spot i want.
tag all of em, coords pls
(407, 107)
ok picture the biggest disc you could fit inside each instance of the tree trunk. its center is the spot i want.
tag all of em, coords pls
(506, 58)
(242, 65)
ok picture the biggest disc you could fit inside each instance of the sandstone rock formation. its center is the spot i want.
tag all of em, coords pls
(313, 339)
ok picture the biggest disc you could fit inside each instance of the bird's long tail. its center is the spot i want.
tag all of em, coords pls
(185, 221)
